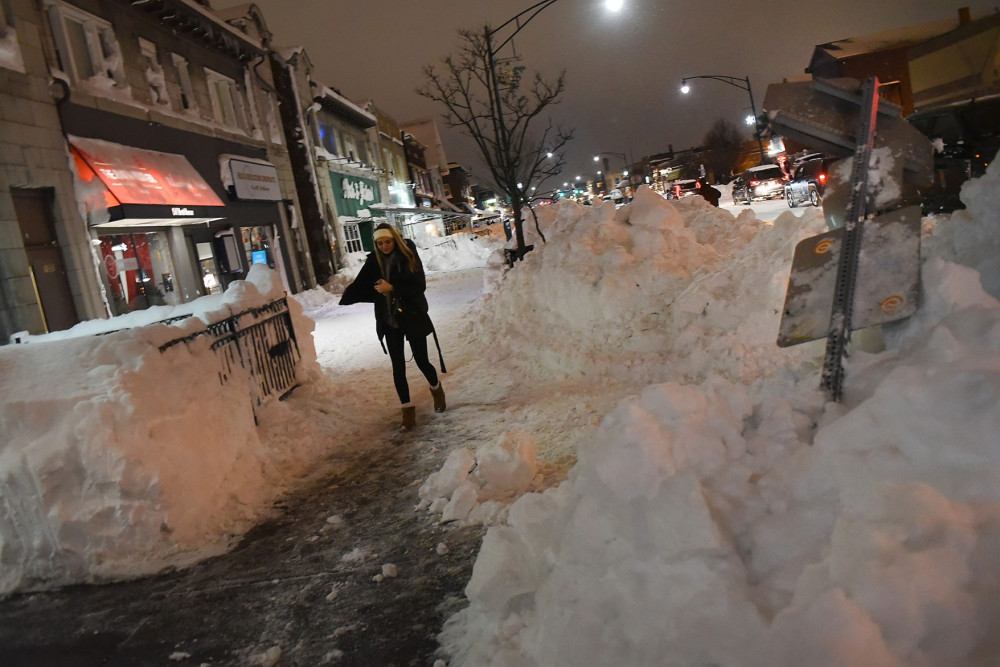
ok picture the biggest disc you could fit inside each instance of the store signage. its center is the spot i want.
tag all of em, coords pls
(138, 176)
(255, 180)
(354, 194)
(181, 212)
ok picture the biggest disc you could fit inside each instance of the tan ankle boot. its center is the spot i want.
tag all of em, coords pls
(438, 394)
(409, 418)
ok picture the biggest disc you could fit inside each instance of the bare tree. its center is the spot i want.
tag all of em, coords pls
(722, 148)
(501, 120)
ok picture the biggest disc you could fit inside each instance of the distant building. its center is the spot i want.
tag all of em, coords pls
(426, 132)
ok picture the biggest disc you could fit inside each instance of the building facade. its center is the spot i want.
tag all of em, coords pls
(165, 171)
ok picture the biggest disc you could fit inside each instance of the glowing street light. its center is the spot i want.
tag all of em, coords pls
(742, 84)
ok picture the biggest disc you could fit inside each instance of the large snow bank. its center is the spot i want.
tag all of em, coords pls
(655, 289)
(116, 457)
(711, 521)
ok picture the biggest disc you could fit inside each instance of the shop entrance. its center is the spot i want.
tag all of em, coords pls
(219, 255)
(211, 277)
(33, 208)
(257, 244)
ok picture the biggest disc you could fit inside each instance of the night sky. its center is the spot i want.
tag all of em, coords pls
(623, 69)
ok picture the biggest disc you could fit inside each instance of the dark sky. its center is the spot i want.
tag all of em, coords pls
(623, 70)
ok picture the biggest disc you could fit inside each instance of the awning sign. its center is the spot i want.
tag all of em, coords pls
(354, 195)
(254, 180)
(139, 176)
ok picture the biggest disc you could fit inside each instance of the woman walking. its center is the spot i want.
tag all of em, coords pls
(393, 279)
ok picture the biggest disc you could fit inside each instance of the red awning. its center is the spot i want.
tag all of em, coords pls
(136, 179)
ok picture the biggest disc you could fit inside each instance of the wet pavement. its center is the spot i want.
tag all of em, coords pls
(268, 601)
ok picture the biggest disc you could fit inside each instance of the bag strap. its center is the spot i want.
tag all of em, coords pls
(438, 345)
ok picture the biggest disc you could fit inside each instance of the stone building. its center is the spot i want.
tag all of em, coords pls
(146, 161)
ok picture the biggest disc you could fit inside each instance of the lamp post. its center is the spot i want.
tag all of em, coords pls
(742, 84)
(516, 23)
(597, 158)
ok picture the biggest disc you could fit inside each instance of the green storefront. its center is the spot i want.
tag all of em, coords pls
(353, 195)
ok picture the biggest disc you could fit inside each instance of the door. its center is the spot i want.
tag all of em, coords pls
(33, 208)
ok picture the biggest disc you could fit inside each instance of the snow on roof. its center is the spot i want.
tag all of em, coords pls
(878, 41)
(332, 95)
(218, 20)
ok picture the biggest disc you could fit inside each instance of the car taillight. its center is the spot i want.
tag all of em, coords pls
(754, 184)
(677, 191)
(822, 179)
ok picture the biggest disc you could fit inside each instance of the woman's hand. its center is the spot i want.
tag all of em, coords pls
(382, 287)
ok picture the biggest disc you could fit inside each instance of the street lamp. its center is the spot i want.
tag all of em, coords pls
(501, 132)
(742, 84)
(597, 158)
(491, 51)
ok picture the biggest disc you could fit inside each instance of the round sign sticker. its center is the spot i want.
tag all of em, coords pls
(111, 264)
(823, 247)
(891, 304)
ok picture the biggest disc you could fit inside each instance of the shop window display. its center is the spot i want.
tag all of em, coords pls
(138, 271)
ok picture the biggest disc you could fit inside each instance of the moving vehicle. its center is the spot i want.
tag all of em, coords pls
(764, 182)
(683, 188)
(808, 181)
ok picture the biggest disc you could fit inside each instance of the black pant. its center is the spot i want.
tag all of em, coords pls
(418, 345)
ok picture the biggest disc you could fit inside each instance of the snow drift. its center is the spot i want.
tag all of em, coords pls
(116, 457)
(731, 515)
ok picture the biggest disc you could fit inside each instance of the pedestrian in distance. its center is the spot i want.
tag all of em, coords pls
(392, 278)
(710, 194)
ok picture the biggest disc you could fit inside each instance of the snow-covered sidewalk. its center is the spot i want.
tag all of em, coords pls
(713, 508)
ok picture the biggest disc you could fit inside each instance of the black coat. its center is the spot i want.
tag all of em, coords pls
(408, 289)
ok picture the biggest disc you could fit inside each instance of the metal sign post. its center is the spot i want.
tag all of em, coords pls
(843, 300)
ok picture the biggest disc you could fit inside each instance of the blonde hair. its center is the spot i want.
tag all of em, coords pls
(411, 257)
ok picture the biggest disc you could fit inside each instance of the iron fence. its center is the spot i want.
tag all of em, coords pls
(257, 346)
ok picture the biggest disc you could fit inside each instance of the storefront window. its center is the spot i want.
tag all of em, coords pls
(209, 269)
(138, 271)
(257, 244)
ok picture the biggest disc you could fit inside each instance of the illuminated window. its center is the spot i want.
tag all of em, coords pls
(352, 237)
(88, 49)
(226, 103)
(327, 136)
(187, 101)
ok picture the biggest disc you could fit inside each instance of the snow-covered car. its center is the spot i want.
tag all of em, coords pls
(766, 181)
(615, 196)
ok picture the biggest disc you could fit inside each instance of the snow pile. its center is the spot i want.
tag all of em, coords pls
(134, 459)
(458, 251)
(451, 253)
(715, 523)
(472, 487)
(653, 290)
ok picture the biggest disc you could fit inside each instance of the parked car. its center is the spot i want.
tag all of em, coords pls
(808, 181)
(764, 182)
(683, 188)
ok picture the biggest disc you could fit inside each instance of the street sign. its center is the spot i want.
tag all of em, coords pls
(887, 284)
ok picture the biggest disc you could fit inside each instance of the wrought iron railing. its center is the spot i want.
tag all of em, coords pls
(257, 346)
